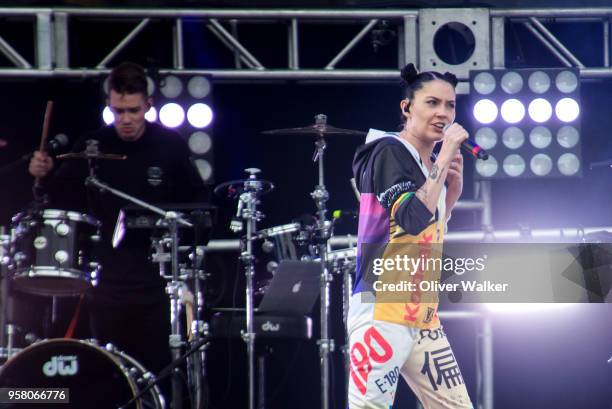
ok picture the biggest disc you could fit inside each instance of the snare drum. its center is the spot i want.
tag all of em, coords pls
(52, 252)
(95, 377)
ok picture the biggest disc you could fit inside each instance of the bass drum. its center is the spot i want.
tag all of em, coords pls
(96, 377)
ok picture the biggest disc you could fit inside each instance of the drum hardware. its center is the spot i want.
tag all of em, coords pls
(197, 346)
(190, 300)
(170, 220)
(282, 240)
(248, 192)
(322, 232)
(344, 262)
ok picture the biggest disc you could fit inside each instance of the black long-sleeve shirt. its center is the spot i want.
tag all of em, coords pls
(157, 170)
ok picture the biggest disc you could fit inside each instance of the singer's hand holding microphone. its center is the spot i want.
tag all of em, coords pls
(456, 133)
(454, 136)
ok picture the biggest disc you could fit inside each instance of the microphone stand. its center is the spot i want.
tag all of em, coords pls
(167, 371)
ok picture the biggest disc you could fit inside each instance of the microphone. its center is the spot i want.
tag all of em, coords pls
(59, 141)
(53, 146)
(474, 149)
(471, 147)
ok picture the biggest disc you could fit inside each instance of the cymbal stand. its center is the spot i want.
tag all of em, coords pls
(247, 212)
(323, 231)
(346, 267)
(193, 298)
(199, 331)
(171, 220)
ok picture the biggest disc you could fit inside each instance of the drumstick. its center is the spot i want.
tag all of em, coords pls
(45, 134)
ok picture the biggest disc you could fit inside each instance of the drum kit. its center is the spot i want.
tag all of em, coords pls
(51, 253)
(284, 239)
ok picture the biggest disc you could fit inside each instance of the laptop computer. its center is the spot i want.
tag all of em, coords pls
(294, 289)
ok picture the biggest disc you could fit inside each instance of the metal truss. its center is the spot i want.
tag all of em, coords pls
(54, 29)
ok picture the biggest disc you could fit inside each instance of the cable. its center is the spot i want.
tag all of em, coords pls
(228, 383)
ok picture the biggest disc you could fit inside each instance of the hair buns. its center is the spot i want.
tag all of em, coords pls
(450, 78)
(408, 74)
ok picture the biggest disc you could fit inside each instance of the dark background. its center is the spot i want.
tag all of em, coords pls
(542, 359)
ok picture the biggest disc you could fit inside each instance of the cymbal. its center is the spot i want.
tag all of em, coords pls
(315, 130)
(87, 155)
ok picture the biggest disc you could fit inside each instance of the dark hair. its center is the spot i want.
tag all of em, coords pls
(413, 81)
(128, 78)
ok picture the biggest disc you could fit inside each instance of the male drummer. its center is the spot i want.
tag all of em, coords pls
(129, 306)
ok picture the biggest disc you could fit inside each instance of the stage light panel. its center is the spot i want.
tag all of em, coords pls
(513, 165)
(204, 168)
(568, 137)
(513, 137)
(200, 142)
(151, 114)
(171, 115)
(511, 82)
(541, 164)
(486, 138)
(107, 116)
(485, 111)
(540, 137)
(486, 168)
(539, 82)
(199, 115)
(484, 83)
(199, 87)
(567, 110)
(171, 86)
(527, 122)
(540, 110)
(568, 164)
(566, 81)
(512, 111)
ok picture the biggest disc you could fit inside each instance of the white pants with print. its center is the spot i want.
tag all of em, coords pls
(381, 351)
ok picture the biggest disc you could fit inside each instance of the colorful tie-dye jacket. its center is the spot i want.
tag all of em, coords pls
(392, 220)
